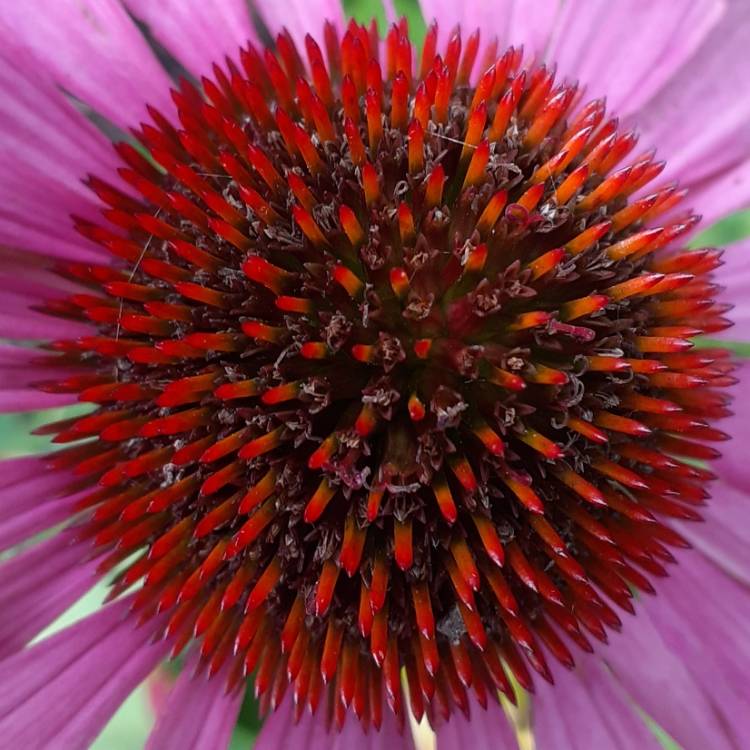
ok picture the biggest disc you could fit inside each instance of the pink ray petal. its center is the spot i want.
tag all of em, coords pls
(513, 22)
(620, 49)
(46, 148)
(38, 585)
(93, 50)
(197, 33)
(683, 657)
(586, 708)
(198, 714)
(63, 690)
(300, 17)
(485, 729)
(280, 732)
(699, 119)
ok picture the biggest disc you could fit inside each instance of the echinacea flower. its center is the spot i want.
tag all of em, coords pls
(393, 399)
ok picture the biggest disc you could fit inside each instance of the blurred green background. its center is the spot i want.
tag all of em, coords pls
(130, 726)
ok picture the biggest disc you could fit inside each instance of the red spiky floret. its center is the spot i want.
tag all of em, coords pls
(390, 372)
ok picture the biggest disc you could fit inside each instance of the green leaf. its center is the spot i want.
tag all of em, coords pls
(242, 739)
(249, 719)
(739, 348)
(731, 229)
(364, 11)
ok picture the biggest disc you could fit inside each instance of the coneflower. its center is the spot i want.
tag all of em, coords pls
(393, 394)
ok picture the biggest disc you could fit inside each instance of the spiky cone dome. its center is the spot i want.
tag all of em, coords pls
(389, 372)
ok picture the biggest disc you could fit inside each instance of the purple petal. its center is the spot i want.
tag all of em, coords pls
(724, 536)
(47, 147)
(683, 658)
(586, 708)
(513, 22)
(63, 690)
(42, 126)
(25, 399)
(620, 49)
(19, 370)
(198, 715)
(25, 324)
(28, 491)
(26, 524)
(21, 469)
(35, 503)
(38, 585)
(352, 736)
(699, 120)
(485, 729)
(19, 291)
(94, 51)
(197, 33)
(391, 12)
(732, 468)
(280, 732)
(300, 17)
(735, 276)
(713, 643)
(35, 274)
(20, 376)
(723, 193)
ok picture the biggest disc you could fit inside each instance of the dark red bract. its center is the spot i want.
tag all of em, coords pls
(389, 371)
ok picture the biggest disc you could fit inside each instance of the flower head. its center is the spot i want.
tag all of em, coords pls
(389, 363)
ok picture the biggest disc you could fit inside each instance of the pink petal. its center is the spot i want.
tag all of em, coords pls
(94, 51)
(26, 399)
(699, 120)
(620, 49)
(352, 736)
(15, 470)
(17, 357)
(36, 214)
(280, 732)
(26, 524)
(35, 502)
(195, 32)
(198, 715)
(724, 536)
(513, 22)
(25, 324)
(30, 490)
(20, 291)
(63, 690)
(46, 148)
(391, 13)
(683, 658)
(732, 466)
(486, 729)
(734, 275)
(586, 708)
(38, 585)
(716, 609)
(300, 17)
(723, 193)
(35, 274)
(42, 126)
(20, 375)
(20, 368)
